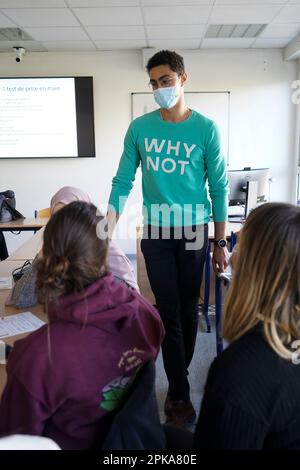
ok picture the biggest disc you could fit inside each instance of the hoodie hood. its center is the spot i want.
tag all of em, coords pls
(105, 304)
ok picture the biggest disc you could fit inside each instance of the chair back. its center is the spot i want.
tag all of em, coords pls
(44, 212)
(136, 424)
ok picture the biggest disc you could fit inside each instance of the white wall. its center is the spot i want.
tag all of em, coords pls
(262, 118)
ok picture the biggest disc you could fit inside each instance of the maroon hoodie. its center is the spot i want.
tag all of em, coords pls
(65, 378)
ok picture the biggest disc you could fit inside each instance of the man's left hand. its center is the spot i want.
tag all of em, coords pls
(220, 259)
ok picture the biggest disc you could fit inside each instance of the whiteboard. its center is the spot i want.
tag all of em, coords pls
(213, 104)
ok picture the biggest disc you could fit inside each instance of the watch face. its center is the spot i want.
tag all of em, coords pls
(222, 243)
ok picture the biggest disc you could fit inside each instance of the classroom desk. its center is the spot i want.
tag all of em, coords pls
(18, 226)
(29, 249)
(16, 260)
(6, 268)
(23, 225)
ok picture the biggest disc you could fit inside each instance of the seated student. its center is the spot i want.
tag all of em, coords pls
(251, 398)
(23, 294)
(65, 378)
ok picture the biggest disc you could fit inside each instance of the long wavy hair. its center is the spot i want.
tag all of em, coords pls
(74, 251)
(266, 285)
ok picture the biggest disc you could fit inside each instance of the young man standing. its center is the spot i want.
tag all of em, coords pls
(179, 151)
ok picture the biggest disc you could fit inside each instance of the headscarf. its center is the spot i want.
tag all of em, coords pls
(68, 194)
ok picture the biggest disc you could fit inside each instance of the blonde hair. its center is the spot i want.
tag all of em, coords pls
(266, 284)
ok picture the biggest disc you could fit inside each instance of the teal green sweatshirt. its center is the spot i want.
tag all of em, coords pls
(177, 161)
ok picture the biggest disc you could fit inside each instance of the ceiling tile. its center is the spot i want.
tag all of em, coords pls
(289, 14)
(57, 34)
(103, 3)
(118, 24)
(42, 17)
(226, 43)
(15, 34)
(109, 16)
(285, 30)
(5, 22)
(177, 15)
(32, 3)
(176, 31)
(267, 43)
(177, 2)
(244, 14)
(115, 32)
(250, 2)
(32, 46)
(117, 45)
(174, 43)
(69, 45)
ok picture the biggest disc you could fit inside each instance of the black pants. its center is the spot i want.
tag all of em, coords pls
(175, 275)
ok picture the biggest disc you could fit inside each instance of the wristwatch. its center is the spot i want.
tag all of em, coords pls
(220, 243)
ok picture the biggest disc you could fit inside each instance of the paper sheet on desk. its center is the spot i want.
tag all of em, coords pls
(25, 322)
(6, 282)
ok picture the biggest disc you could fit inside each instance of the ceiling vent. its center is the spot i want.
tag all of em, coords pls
(13, 34)
(234, 30)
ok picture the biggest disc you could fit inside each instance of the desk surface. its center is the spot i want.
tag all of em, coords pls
(24, 224)
(6, 268)
(10, 311)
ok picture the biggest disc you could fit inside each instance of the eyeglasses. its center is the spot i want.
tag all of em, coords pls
(163, 82)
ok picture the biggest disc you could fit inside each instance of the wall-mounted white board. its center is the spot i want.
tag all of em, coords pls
(213, 104)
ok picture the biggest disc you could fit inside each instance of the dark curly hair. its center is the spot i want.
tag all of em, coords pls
(165, 57)
(74, 253)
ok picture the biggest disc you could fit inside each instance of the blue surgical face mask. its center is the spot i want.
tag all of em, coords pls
(166, 97)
